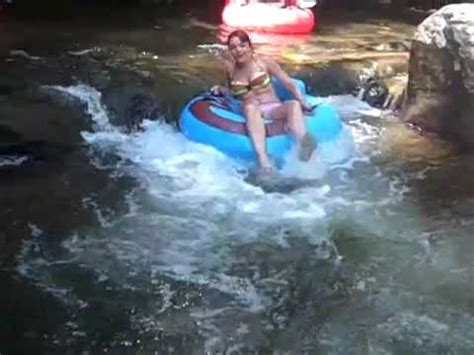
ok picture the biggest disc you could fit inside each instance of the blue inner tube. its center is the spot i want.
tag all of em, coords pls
(218, 122)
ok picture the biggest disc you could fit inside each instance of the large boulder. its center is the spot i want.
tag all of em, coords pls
(440, 92)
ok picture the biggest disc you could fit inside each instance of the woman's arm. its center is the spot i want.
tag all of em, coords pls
(223, 89)
(274, 69)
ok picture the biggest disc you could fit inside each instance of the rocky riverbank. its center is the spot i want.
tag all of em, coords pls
(440, 95)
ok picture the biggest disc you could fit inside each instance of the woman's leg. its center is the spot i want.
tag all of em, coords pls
(292, 112)
(256, 129)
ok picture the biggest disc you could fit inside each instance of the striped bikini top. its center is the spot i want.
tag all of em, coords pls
(259, 81)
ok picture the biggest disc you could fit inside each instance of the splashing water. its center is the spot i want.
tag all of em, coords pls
(200, 249)
(198, 199)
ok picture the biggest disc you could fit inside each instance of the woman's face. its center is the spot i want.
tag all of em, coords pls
(240, 51)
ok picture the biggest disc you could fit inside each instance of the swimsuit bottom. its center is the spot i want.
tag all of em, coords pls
(267, 107)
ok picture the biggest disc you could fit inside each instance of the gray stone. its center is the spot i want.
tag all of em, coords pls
(440, 92)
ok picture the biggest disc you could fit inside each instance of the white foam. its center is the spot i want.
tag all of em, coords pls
(82, 52)
(92, 98)
(24, 54)
(35, 230)
(351, 107)
(12, 160)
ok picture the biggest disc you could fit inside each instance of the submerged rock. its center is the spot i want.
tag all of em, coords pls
(440, 92)
(274, 182)
(375, 93)
(333, 79)
(130, 105)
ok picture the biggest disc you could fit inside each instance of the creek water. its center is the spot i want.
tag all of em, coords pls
(368, 248)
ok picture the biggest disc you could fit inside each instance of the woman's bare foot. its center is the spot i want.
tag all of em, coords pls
(267, 170)
(307, 145)
(265, 166)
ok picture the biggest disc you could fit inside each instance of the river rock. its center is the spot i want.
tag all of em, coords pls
(440, 92)
(130, 104)
(333, 79)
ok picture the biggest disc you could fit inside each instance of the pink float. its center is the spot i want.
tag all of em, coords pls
(265, 17)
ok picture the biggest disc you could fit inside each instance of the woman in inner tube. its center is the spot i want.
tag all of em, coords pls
(249, 79)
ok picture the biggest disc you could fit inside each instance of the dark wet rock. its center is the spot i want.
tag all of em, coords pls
(99, 54)
(129, 105)
(274, 182)
(128, 96)
(374, 92)
(380, 82)
(52, 95)
(440, 93)
(332, 80)
(341, 80)
(92, 72)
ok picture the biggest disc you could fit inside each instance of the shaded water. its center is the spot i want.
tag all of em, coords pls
(370, 251)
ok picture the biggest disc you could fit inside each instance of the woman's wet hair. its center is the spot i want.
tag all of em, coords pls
(242, 35)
